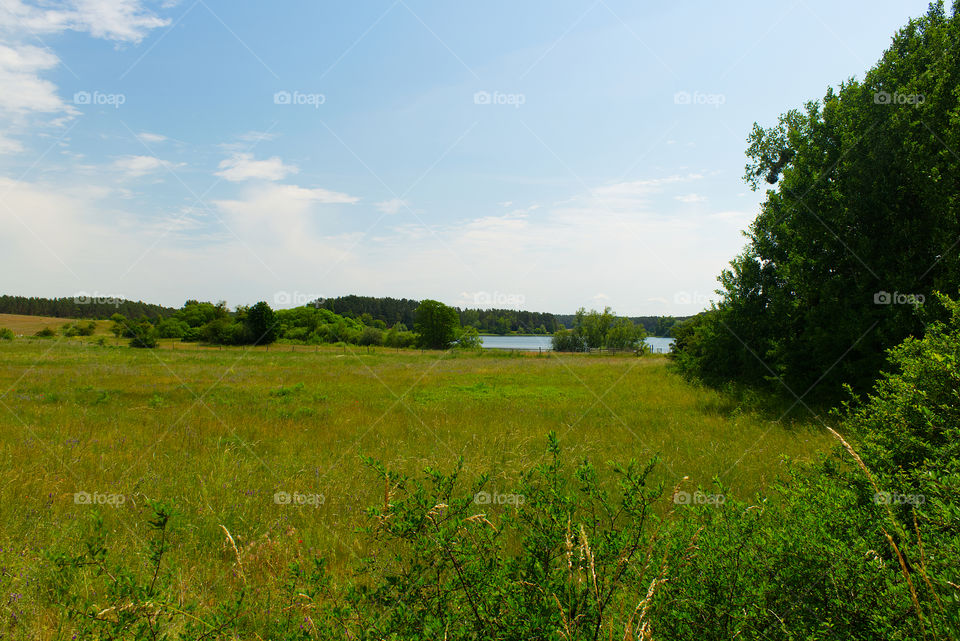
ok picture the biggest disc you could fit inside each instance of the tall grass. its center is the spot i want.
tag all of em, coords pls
(219, 433)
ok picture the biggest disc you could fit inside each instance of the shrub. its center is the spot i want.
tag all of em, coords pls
(568, 340)
(46, 332)
(144, 336)
(172, 328)
(470, 339)
(370, 336)
(6, 334)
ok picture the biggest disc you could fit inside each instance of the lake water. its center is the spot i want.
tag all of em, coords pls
(533, 343)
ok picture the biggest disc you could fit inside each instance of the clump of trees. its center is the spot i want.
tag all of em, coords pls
(599, 330)
(859, 231)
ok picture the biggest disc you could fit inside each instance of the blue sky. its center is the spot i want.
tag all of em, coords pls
(542, 155)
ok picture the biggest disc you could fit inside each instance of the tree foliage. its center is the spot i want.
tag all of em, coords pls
(599, 330)
(860, 228)
(436, 324)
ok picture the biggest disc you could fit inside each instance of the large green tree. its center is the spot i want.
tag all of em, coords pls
(862, 225)
(436, 324)
(260, 324)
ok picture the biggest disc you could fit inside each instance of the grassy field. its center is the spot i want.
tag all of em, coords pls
(218, 433)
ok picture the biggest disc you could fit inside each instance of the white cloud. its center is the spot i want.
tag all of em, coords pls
(119, 20)
(9, 146)
(151, 138)
(135, 166)
(242, 166)
(392, 206)
(22, 91)
(284, 199)
(691, 198)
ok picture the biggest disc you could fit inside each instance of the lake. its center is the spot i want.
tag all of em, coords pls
(533, 343)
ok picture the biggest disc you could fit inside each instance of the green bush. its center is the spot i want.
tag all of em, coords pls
(6, 334)
(172, 328)
(144, 335)
(370, 336)
(469, 339)
(568, 340)
(46, 332)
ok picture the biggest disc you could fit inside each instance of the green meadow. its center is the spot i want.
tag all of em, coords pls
(267, 444)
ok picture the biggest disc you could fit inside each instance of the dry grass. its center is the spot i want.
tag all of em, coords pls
(29, 325)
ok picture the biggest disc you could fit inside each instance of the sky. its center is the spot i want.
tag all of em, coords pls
(543, 155)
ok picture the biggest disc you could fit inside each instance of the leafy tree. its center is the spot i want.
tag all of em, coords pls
(594, 326)
(860, 227)
(568, 340)
(623, 334)
(222, 331)
(119, 325)
(172, 328)
(260, 324)
(370, 336)
(399, 336)
(470, 339)
(436, 324)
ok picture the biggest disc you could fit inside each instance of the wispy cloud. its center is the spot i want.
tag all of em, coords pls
(242, 166)
(136, 166)
(392, 206)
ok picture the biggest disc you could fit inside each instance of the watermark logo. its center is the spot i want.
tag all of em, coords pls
(299, 98)
(892, 498)
(83, 98)
(698, 498)
(489, 300)
(83, 298)
(896, 298)
(691, 298)
(99, 498)
(486, 498)
(297, 299)
(298, 499)
(714, 100)
(498, 98)
(887, 98)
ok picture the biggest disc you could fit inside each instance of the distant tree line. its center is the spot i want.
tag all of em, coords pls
(81, 307)
(403, 310)
(486, 321)
(437, 326)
